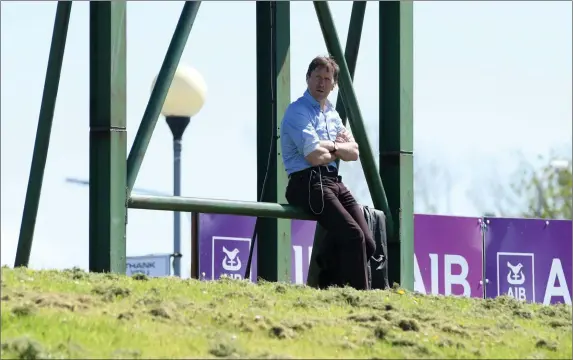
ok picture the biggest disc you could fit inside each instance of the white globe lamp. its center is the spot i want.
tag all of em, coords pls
(187, 93)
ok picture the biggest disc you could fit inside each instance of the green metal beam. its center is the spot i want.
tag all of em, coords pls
(273, 97)
(351, 55)
(354, 115)
(108, 136)
(43, 132)
(396, 132)
(351, 50)
(215, 206)
(159, 92)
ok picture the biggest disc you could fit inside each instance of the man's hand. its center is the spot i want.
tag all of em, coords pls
(347, 148)
(323, 154)
(344, 136)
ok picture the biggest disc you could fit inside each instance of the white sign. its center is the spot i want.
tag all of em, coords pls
(150, 265)
(561, 290)
(299, 270)
(516, 275)
(449, 277)
(229, 254)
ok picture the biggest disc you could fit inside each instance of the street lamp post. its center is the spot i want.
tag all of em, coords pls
(185, 98)
(177, 124)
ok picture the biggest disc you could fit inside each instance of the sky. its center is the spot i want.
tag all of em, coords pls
(491, 80)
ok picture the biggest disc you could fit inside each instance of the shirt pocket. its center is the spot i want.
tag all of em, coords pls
(320, 125)
(332, 130)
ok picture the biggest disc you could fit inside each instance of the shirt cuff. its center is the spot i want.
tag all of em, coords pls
(308, 148)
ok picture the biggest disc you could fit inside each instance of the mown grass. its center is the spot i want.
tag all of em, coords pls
(73, 314)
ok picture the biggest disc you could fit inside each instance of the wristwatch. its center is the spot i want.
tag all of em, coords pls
(335, 148)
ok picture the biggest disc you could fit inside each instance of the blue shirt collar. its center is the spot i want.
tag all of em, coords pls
(315, 103)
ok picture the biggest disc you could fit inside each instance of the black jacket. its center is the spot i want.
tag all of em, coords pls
(377, 266)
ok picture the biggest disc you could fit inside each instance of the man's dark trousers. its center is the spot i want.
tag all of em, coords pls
(341, 216)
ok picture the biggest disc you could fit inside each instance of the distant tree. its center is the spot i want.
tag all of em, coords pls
(432, 182)
(547, 190)
(543, 190)
(432, 186)
(492, 194)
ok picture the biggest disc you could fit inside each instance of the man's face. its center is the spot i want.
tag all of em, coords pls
(321, 82)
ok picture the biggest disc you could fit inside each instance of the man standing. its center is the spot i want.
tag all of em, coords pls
(312, 138)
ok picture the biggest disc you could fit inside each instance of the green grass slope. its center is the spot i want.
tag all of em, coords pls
(72, 314)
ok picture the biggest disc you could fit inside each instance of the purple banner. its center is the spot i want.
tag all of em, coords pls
(302, 235)
(529, 259)
(224, 242)
(448, 250)
(448, 255)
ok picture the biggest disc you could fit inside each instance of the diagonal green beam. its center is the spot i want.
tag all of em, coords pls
(108, 136)
(43, 132)
(273, 97)
(351, 55)
(354, 115)
(396, 132)
(351, 51)
(159, 92)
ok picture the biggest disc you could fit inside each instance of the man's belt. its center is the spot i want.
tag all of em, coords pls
(324, 170)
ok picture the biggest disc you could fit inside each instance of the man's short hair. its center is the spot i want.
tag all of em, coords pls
(327, 62)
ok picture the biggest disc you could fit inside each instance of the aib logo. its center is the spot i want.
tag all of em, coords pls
(516, 275)
(231, 262)
(229, 255)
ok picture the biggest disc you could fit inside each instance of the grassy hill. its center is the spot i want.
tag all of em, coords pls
(73, 314)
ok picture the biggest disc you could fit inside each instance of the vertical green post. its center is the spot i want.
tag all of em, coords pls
(273, 97)
(108, 141)
(43, 132)
(396, 132)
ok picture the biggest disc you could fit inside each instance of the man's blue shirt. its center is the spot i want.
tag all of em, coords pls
(303, 127)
